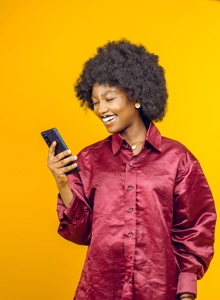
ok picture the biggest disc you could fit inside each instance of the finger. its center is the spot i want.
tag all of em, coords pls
(62, 155)
(51, 151)
(60, 163)
(66, 169)
(61, 170)
(63, 178)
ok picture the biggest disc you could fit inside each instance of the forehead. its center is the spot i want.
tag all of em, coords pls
(104, 89)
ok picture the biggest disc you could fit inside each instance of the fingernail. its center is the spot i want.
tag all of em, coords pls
(75, 157)
(69, 151)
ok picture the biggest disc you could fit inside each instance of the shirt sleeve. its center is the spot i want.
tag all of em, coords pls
(76, 220)
(193, 226)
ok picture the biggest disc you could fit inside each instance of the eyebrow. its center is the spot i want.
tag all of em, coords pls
(104, 94)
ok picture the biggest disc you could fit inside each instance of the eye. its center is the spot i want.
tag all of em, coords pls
(109, 99)
(95, 103)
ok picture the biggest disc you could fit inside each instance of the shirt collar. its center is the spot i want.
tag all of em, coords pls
(153, 137)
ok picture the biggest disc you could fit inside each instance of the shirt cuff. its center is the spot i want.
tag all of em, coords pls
(187, 283)
(62, 210)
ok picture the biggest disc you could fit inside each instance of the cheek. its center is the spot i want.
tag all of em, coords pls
(95, 110)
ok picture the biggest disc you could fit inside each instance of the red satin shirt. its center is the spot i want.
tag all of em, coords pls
(148, 219)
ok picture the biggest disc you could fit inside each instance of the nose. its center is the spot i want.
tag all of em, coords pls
(102, 108)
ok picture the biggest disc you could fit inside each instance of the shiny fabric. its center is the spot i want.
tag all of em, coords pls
(148, 219)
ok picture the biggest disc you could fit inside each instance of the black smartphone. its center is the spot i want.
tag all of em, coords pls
(52, 135)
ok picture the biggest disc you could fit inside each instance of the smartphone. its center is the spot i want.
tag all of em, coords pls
(52, 135)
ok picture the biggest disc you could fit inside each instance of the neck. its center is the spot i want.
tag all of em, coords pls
(135, 136)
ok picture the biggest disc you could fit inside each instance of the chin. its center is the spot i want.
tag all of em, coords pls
(111, 130)
(114, 129)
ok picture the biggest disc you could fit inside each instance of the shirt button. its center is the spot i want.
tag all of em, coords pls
(130, 187)
(126, 146)
(131, 165)
(130, 234)
(130, 209)
(129, 280)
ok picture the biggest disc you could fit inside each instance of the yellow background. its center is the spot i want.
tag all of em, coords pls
(43, 46)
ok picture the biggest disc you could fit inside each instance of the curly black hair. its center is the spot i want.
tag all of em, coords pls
(131, 68)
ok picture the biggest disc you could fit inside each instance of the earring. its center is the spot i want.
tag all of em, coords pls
(137, 105)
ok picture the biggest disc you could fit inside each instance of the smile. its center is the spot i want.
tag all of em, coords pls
(108, 118)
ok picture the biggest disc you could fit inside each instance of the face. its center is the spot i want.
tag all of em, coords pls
(115, 109)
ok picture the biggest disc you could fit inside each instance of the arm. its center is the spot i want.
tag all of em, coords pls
(74, 212)
(57, 165)
(193, 226)
(75, 220)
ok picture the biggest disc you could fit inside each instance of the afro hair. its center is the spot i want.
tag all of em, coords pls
(131, 68)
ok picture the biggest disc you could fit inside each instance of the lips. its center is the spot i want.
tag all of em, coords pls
(108, 119)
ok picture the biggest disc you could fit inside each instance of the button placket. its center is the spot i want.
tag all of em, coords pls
(130, 218)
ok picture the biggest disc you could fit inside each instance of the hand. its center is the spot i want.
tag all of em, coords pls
(186, 296)
(57, 164)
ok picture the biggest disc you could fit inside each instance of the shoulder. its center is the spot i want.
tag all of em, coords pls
(98, 147)
(168, 143)
(179, 152)
(90, 157)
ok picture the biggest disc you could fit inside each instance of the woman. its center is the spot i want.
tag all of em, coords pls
(141, 201)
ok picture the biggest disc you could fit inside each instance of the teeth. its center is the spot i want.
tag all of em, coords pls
(107, 119)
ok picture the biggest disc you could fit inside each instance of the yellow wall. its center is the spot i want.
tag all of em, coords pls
(43, 46)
